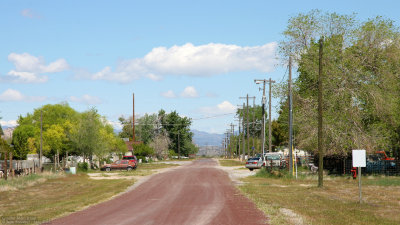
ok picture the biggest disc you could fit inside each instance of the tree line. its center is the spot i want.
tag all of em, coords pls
(162, 134)
(68, 132)
(361, 86)
(65, 132)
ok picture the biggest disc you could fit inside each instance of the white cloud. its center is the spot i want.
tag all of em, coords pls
(189, 92)
(224, 107)
(168, 94)
(30, 69)
(9, 123)
(85, 99)
(11, 95)
(115, 124)
(26, 77)
(189, 60)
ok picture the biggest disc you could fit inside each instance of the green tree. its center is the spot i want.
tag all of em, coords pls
(143, 150)
(178, 129)
(86, 136)
(4, 147)
(360, 83)
(127, 131)
(146, 127)
(53, 140)
(20, 138)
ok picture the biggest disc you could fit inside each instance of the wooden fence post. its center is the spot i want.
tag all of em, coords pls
(11, 165)
(5, 165)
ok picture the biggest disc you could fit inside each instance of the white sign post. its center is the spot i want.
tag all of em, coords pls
(359, 160)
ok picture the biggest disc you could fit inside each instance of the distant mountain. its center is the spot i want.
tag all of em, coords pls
(202, 138)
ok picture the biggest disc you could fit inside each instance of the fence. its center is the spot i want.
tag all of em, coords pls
(18, 167)
(344, 166)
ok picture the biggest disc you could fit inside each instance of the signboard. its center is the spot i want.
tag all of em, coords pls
(359, 158)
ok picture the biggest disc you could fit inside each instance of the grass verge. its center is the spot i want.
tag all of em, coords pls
(231, 162)
(290, 201)
(58, 196)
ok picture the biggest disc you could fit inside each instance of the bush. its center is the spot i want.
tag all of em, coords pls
(172, 153)
(143, 150)
(83, 167)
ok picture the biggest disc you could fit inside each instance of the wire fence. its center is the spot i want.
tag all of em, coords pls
(18, 167)
(373, 167)
(344, 166)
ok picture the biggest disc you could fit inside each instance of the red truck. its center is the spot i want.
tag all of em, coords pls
(120, 165)
(382, 155)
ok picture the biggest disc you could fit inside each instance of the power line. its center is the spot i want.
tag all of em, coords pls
(209, 117)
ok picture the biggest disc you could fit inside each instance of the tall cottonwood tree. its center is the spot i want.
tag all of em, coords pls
(361, 84)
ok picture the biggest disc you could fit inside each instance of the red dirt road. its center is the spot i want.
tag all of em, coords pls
(198, 193)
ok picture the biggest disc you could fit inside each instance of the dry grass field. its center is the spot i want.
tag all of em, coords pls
(291, 201)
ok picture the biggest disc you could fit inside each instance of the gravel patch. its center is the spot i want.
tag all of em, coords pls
(236, 172)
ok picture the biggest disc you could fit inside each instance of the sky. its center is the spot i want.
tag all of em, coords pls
(195, 57)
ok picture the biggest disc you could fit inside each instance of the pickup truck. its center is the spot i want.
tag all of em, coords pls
(120, 165)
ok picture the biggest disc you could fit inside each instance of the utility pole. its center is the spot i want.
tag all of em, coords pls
(263, 112)
(41, 141)
(239, 138)
(254, 123)
(247, 122)
(133, 118)
(290, 118)
(233, 147)
(227, 144)
(269, 112)
(320, 103)
(244, 142)
(223, 147)
(179, 147)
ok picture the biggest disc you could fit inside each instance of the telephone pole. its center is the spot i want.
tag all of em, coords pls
(290, 118)
(239, 137)
(227, 144)
(269, 112)
(41, 140)
(233, 146)
(179, 146)
(264, 81)
(240, 132)
(320, 103)
(254, 123)
(247, 122)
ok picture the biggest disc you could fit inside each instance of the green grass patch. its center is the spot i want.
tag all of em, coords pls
(231, 162)
(381, 181)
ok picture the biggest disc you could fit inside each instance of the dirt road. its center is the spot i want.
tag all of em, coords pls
(198, 193)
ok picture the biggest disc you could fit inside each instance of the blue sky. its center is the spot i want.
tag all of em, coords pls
(97, 53)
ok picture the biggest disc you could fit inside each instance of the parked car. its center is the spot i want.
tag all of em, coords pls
(255, 163)
(120, 165)
(131, 158)
(274, 159)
